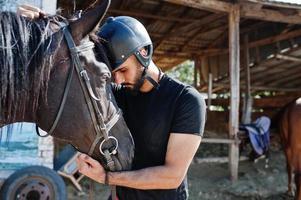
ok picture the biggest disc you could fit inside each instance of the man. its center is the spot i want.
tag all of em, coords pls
(165, 117)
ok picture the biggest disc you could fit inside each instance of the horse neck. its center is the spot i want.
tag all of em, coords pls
(20, 109)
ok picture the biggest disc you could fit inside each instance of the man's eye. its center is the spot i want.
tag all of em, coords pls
(122, 70)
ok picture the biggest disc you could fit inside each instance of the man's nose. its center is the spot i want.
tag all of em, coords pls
(118, 79)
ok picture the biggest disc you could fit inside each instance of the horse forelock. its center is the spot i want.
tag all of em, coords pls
(25, 64)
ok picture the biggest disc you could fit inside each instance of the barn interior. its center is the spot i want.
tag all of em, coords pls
(246, 54)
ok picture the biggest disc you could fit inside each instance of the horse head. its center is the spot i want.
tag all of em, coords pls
(69, 93)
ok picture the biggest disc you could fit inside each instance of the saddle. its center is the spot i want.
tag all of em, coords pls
(259, 135)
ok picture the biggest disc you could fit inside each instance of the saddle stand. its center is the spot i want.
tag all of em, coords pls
(66, 166)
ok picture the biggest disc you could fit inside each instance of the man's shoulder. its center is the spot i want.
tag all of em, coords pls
(173, 85)
(187, 91)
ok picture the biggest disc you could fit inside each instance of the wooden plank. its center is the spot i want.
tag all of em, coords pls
(219, 141)
(218, 159)
(210, 5)
(234, 59)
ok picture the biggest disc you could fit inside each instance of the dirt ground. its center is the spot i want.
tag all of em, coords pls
(211, 180)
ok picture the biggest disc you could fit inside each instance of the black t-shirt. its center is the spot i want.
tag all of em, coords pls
(171, 108)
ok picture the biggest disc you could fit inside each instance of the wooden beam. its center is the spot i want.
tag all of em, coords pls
(288, 58)
(234, 59)
(200, 52)
(171, 54)
(203, 88)
(218, 51)
(277, 4)
(152, 16)
(263, 42)
(265, 103)
(248, 11)
(210, 5)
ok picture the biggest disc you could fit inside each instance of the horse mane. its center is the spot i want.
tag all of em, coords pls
(26, 51)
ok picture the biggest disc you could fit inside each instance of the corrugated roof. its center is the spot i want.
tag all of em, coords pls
(298, 2)
(281, 3)
(294, 4)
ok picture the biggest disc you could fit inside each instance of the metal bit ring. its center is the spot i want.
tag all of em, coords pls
(114, 151)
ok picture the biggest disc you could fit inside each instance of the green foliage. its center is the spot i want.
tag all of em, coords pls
(184, 72)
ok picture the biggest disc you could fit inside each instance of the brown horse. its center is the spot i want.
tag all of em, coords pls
(37, 84)
(290, 133)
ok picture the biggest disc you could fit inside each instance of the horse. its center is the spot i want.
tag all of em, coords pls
(290, 135)
(38, 60)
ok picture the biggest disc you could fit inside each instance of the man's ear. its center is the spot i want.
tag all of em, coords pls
(143, 52)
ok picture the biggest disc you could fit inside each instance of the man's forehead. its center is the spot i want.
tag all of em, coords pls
(118, 69)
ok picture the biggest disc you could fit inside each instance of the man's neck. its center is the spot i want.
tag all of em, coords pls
(153, 71)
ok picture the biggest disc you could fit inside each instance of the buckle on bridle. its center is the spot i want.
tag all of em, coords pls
(111, 152)
(84, 74)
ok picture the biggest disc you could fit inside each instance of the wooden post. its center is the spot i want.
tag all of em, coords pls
(195, 79)
(234, 17)
(210, 82)
(204, 69)
(247, 104)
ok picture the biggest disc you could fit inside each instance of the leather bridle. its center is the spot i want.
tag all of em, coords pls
(101, 128)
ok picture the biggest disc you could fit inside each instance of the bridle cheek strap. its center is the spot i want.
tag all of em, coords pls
(91, 99)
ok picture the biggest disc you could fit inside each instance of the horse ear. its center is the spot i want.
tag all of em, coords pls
(90, 20)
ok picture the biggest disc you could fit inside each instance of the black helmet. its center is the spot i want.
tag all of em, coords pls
(123, 37)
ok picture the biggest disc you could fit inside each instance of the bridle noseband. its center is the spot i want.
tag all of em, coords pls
(101, 128)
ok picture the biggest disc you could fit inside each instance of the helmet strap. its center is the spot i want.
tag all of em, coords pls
(147, 77)
(140, 82)
(152, 81)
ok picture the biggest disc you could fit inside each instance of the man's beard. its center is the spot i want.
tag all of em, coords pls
(134, 87)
